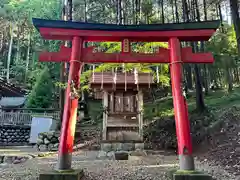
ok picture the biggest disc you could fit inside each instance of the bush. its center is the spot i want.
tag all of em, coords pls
(41, 94)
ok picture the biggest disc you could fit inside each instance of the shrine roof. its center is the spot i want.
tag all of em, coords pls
(10, 90)
(99, 78)
(12, 101)
(65, 30)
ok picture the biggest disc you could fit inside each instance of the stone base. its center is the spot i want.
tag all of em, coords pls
(121, 146)
(62, 175)
(191, 176)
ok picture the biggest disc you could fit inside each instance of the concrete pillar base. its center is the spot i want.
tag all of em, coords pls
(62, 175)
(191, 176)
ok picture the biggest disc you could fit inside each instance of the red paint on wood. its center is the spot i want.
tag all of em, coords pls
(146, 36)
(89, 57)
(180, 107)
(71, 105)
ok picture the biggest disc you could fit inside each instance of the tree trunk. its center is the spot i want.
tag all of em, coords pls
(119, 12)
(85, 10)
(200, 106)
(10, 52)
(1, 41)
(18, 51)
(189, 83)
(205, 72)
(236, 20)
(198, 82)
(176, 11)
(138, 11)
(173, 13)
(229, 79)
(133, 12)
(163, 17)
(236, 75)
(28, 56)
(187, 67)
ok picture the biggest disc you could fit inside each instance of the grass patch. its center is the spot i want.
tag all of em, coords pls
(183, 172)
(215, 100)
(46, 154)
(173, 172)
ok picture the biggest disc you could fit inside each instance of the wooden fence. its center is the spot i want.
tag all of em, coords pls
(23, 118)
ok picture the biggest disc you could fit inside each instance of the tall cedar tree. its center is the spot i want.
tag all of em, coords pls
(41, 95)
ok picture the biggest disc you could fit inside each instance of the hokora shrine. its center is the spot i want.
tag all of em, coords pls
(79, 33)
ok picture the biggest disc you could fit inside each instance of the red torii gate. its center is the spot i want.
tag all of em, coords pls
(77, 55)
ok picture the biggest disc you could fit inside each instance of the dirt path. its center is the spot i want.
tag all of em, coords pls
(141, 168)
(149, 167)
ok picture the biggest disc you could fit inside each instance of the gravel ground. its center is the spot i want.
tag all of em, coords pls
(139, 168)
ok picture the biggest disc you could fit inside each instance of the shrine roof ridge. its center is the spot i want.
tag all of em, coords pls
(44, 23)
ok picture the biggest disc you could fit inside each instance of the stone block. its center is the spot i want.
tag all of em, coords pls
(62, 175)
(117, 146)
(128, 146)
(191, 176)
(139, 146)
(111, 155)
(102, 155)
(106, 147)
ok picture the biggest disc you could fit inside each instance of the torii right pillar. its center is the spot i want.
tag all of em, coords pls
(180, 107)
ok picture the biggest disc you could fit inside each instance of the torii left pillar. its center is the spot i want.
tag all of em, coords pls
(180, 107)
(70, 108)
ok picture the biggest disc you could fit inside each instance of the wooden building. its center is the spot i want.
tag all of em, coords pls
(11, 96)
(122, 96)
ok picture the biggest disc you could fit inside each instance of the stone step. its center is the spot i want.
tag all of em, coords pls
(116, 146)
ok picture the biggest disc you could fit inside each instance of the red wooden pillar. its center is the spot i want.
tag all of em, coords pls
(180, 108)
(70, 108)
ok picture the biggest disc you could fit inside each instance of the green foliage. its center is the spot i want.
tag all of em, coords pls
(215, 100)
(41, 95)
(223, 45)
(110, 47)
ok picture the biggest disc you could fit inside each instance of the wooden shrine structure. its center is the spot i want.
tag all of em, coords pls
(77, 55)
(123, 104)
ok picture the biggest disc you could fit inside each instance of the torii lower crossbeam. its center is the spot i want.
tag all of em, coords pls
(163, 56)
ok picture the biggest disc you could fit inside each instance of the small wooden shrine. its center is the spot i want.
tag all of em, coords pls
(122, 95)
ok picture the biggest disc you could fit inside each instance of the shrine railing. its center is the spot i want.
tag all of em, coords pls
(23, 118)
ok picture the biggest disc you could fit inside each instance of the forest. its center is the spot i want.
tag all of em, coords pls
(20, 44)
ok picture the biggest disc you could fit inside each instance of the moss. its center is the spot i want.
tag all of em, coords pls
(173, 172)
(187, 172)
(46, 154)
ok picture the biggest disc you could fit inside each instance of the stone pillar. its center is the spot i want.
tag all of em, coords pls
(105, 115)
(140, 115)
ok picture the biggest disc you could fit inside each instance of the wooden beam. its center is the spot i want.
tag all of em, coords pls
(88, 56)
(143, 36)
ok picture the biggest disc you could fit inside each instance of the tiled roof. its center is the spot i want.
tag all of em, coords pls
(12, 101)
(10, 90)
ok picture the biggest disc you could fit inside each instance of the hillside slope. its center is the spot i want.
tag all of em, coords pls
(222, 148)
(215, 133)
